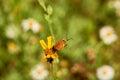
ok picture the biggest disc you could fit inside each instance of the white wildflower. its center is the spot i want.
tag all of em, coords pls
(116, 4)
(108, 35)
(105, 73)
(39, 73)
(12, 31)
(31, 24)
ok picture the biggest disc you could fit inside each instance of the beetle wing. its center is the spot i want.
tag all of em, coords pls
(59, 45)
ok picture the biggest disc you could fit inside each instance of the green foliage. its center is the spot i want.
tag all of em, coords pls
(80, 20)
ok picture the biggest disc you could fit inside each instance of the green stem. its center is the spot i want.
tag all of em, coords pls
(52, 72)
(98, 46)
(41, 2)
(51, 31)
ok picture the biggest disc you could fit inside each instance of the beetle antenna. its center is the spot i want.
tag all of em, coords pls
(66, 36)
(69, 39)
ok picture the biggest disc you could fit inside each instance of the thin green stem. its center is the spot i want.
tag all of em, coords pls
(51, 31)
(47, 17)
(52, 72)
(41, 2)
(98, 55)
(98, 46)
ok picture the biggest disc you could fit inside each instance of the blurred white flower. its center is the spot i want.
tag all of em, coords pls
(39, 73)
(108, 35)
(105, 73)
(31, 24)
(116, 4)
(12, 31)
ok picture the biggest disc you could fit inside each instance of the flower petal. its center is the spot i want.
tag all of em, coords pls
(43, 44)
(48, 56)
(49, 42)
(55, 55)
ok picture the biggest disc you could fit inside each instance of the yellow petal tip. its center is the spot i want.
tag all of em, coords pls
(43, 44)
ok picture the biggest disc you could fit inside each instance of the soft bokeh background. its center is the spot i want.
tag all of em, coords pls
(80, 20)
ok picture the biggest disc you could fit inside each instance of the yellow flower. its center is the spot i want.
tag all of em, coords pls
(50, 55)
(12, 47)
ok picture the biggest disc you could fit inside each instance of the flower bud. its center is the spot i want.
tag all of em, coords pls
(49, 10)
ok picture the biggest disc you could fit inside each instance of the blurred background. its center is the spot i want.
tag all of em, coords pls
(80, 20)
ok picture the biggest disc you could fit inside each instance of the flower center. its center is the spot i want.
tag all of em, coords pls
(30, 23)
(39, 72)
(109, 33)
(105, 72)
(49, 51)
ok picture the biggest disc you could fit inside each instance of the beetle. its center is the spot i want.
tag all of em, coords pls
(60, 44)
